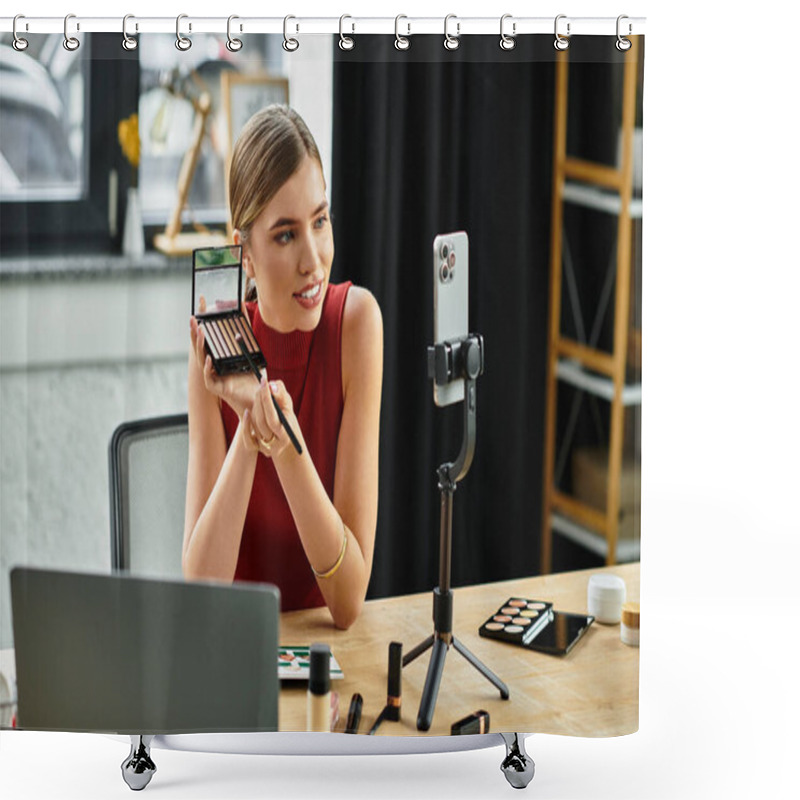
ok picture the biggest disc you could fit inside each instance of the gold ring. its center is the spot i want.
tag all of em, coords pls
(266, 444)
(261, 442)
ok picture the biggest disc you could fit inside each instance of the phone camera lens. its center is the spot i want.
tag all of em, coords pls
(452, 260)
(445, 251)
(444, 273)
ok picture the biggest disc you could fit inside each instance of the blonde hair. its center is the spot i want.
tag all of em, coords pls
(269, 150)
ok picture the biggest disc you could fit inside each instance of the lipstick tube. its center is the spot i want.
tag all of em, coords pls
(394, 682)
(391, 710)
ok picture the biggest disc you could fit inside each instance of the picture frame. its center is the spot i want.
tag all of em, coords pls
(242, 96)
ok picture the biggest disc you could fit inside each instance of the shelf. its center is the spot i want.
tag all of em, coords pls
(572, 372)
(627, 549)
(599, 199)
(614, 191)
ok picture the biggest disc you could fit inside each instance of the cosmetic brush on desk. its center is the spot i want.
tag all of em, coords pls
(391, 711)
(257, 374)
(354, 714)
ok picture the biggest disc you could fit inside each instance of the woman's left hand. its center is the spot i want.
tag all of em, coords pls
(236, 389)
(266, 433)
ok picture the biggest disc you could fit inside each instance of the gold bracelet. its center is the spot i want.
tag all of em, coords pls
(332, 571)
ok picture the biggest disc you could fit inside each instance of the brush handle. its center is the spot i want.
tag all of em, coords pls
(381, 717)
(354, 714)
(281, 416)
(286, 425)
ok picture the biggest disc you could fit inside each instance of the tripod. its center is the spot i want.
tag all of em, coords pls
(449, 361)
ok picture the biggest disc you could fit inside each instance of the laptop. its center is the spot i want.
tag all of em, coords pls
(130, 655)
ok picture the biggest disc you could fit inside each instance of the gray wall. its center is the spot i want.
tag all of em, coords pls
(69, 375)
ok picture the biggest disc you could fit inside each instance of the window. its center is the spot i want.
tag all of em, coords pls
(171, 83)
(63, 175)
(42, 109)
(58, 145)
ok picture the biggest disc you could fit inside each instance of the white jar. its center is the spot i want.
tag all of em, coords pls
(605, 596)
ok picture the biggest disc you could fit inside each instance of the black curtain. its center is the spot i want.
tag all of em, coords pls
(425, 142)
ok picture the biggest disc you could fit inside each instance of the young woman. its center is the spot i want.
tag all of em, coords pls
(255, 509)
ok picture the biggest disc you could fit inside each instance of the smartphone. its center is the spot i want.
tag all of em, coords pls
(450, 302)
(561, 634)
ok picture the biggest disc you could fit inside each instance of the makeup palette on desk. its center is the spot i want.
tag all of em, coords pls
(536, 625)
(517, 620)
(216, 304)
(294, 663)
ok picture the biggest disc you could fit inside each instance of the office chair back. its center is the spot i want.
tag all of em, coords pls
(147, 485)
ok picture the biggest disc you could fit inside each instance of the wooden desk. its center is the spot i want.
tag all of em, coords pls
(593, 691)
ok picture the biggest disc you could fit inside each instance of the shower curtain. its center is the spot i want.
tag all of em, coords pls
(95, 290)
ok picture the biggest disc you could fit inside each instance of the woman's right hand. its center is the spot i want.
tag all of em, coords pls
(238, 390)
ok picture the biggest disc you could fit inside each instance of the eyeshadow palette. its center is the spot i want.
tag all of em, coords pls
(294, 664)
(518, 620)
(536, 625)
(216, 304)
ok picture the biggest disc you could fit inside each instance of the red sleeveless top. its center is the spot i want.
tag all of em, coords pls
(310, 365)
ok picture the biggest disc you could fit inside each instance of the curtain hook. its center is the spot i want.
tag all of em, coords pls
(507, 42)
(290, 45)
(451, 42)
(233, 44)
(623, 44)
(346, 42)
(183, 43)
(70, 42)
(19, 43)
(128, 42)
(401, 42)
(561, 42)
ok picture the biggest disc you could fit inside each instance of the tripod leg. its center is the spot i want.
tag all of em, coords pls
(431, 690)
(138, 768)
(482, 668)
(418, 650)
(518, 766)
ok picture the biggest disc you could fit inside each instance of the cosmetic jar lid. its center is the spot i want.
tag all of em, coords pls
(607, 587)
(630, 615)
(319, 669)
(605, 596)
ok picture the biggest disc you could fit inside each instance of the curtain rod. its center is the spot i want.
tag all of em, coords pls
(348, 25)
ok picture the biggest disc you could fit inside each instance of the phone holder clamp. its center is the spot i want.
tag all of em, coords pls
(456, 358)
(449, 361)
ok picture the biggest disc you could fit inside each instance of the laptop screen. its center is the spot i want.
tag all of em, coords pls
(116, 653)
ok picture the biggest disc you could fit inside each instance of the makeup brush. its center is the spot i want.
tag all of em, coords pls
(257, 374)
(354, 714)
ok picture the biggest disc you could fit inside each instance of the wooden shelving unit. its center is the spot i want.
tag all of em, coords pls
(580, 363)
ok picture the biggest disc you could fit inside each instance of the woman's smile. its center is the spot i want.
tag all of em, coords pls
(311, 295)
